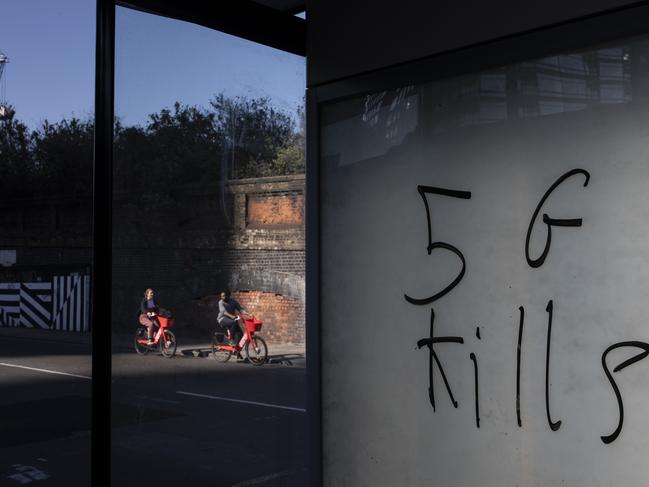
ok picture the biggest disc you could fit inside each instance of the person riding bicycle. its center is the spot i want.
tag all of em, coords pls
(229, 309)
(148, 311)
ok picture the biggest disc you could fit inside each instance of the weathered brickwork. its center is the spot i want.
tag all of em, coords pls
(275, 210)
(183, 276)
(268, 214)
(247, 236)
(283, 316)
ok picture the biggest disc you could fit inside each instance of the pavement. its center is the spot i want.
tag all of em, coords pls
(188, 344)
(188, 420)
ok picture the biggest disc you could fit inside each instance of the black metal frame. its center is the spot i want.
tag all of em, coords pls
(242, 18)
(102, 242)
(576, 34)
(313, 289)
(571, 35)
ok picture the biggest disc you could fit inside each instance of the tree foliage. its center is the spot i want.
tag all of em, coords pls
(61, 153)
(232, 138)
(16, 161)
(252, 133)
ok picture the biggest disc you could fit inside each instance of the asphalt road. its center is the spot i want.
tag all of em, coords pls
(180, 421)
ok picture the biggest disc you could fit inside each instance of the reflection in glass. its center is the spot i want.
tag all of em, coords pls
(386, 119)
(370, 126)
(555, 84)
(208, 197)
(46, 144)
(503, 136)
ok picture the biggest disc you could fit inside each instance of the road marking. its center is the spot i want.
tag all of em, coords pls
(46, 371)
(265, 478)
(254, 403)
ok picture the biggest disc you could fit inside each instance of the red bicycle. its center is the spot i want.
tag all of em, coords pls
(164, 338)
(256, 350)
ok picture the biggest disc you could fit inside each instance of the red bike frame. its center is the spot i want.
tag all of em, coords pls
(252, 325)
(164, 323)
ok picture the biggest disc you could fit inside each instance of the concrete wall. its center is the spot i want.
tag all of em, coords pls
(347, 38)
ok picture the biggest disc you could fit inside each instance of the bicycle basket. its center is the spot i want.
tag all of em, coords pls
(166, 322)
(253, 325)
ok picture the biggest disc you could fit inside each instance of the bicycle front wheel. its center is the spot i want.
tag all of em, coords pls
(168, 344)
(257, 351)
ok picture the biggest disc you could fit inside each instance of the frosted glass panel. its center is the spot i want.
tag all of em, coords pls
(485, 243)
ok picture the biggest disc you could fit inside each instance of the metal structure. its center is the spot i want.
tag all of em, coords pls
(5, 111)
(3, 61)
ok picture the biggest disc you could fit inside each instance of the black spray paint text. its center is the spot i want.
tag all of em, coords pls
(430, 341)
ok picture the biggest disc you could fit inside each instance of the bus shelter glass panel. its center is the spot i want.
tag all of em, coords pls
(208, 199)
(487, 235)
(46, 151)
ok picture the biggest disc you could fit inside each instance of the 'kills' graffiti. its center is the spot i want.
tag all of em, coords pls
(432, 340)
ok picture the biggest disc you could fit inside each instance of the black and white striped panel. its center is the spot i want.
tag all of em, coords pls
(36, 304)
(71, 302)
(9, 303)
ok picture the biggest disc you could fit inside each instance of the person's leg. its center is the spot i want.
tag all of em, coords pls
(237, 334)
(228, 325)
(238, 337)
(145, 321)
(234, 337)
(225, 325)
(235, 330)
(155, 327)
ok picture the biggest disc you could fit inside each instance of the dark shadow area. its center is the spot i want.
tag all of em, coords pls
(224, 442)
(281, 358)
(285, 359)
(24, 422)
(45, 422)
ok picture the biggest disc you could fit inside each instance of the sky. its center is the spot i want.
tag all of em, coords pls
(158, 61)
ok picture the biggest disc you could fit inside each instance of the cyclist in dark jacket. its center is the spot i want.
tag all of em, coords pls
(229, 309)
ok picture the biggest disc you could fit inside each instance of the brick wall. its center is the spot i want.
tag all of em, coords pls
(247, 235)
(268, 214)
(283, 316)
(275, 211)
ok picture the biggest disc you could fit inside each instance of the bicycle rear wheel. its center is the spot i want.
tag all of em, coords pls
(141, 335)
(218, 353)
(257, 351)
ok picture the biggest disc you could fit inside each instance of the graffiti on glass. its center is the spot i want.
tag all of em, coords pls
(431, 340)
